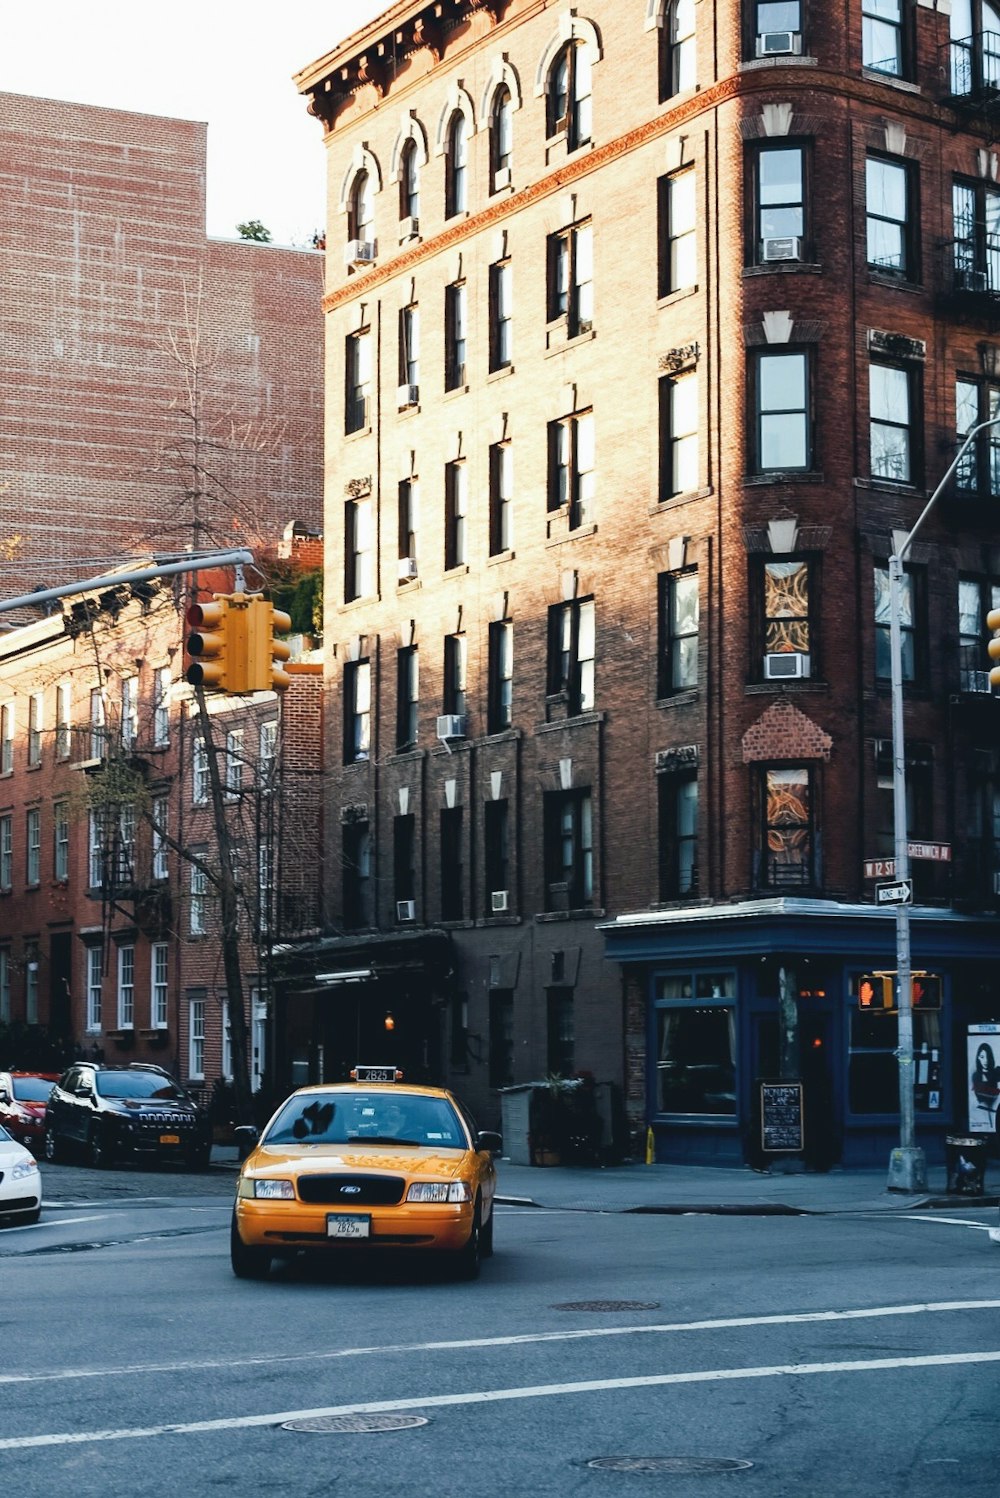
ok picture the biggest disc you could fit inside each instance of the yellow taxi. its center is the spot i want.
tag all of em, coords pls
(370, 1165)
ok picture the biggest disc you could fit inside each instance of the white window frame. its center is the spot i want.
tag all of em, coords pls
(159, 985)
(126, 988)
(7, 738)
(265, 885)
(95, 851)
(161, 819)
(234, 763)
(64, 731)
(130, 710)
(36, 724)
(6, 852)
(95, 980)
(199, 890)
(268, 755)
(199, 773)
(227, 1043)
(33, 845)
(98, 740)
(161, 707)
(196, 1039)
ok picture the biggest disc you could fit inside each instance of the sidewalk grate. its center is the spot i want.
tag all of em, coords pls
(349, 1425)
(608, 1305)
(677, 1465)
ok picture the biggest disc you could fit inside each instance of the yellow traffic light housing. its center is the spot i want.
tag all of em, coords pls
(875, 991)
(993, 645)
(217, 643)
(265, 654)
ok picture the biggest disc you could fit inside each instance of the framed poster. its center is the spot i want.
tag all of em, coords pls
(983, 1071)
(781, 1126)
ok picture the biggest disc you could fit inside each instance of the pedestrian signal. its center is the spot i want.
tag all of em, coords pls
(874, 991)
(926, 991)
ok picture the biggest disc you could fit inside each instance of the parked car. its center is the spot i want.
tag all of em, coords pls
(109, 1113)
(20, 1182)
(372, 1166)
(23, 1096)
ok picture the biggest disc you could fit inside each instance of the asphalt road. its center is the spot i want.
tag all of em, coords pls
(832, 1355)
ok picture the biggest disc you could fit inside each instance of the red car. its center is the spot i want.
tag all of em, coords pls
(23, 1096)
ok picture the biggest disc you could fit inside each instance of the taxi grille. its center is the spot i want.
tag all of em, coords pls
(352, 1190)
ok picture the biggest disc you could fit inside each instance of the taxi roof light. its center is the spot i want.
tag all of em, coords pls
(376, 1074)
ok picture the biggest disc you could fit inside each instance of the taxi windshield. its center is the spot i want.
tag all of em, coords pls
(368, 1117)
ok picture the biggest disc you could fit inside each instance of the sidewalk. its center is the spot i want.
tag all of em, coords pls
(698, 1188)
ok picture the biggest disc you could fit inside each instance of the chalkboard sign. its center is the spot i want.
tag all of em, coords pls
(781, 1116)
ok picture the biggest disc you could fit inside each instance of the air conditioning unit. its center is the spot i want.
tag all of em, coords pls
(968, 279)
(498, 901)
(406, 910)
(502, 177)
(361, 252)
(786, 666)
(787, 247)
(451, 726)
(976, 681)
(407, 395)
(409, 228)
(779, 44)
(407, 569)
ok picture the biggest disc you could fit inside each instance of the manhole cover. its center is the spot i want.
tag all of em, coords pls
(608, 1305)
(346, 1425)
(678, 1465)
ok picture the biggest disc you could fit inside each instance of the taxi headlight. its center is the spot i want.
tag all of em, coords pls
(439, 1191)
(23, 1169)
(274, 1190)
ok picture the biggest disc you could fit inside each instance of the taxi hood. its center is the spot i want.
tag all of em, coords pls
(409, 1160)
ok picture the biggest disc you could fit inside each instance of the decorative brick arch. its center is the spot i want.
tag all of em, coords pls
(502, 75)
(783, 732)
(410, 128)
(571, 27)
(361, 161)
(457, 102)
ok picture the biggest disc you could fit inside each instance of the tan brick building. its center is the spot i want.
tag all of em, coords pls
(647, 325)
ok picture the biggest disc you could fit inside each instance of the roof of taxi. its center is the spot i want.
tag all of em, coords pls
(413, 1087)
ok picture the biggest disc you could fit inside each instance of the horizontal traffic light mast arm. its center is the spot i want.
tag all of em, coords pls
(190, 563)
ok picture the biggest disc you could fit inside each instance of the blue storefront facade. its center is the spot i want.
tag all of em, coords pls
(713, 989)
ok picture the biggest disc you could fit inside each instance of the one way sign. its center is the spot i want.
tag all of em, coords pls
(898, 893)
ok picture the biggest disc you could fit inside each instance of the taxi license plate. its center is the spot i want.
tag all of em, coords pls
(347, 1225)
(170, 1139)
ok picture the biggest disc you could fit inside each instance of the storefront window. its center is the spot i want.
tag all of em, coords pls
(696, 1045)
(873, 1073)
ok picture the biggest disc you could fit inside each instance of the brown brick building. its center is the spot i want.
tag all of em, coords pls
(648, 325)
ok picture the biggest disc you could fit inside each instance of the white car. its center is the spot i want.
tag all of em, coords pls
(20, 1182)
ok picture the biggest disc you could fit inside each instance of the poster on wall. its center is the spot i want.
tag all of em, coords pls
(983, 1054)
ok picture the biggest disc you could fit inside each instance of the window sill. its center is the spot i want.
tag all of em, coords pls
(36, 765)
(887, 486)
(405, 240)
(499, 374)
(357, 764)
(365, 601)
(457, 923)
(360, 432)
(773, 688)
(783, 476)
(685, 698)
(674, 500)
(500, 556)
(580, 534)
(409, 585)
(502, 736)
(585, 913)
(875, 75)
(894, 283)
(557, 341)
(457, 215)
(671, 298)
(783, 268)
(403, 412)
(580, 720)
(461, 570)
(455, 392)
(498, 920)
(407, 754)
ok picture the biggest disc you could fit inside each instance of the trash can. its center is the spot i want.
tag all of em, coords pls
(965, 1160)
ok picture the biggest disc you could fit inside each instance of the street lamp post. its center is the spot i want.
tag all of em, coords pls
(907, 1167)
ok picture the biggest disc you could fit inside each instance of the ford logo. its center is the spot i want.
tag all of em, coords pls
(350, 1190)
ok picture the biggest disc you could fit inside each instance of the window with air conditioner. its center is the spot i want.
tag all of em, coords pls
(779, 44)
(361, 247)
(404, 865)
(408, 393)
(779, 215)
(454, 703)
(777, 28)
(569, 106)
(788, 587)
(786, 247)
(497, 876)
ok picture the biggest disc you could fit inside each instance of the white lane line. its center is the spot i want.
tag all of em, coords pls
(493, 1396)
(32, 1227)
(522, 1339)
(955, 1222)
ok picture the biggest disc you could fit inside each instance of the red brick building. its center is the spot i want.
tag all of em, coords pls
(648, 325)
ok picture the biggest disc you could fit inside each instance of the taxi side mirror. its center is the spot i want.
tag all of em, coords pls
(246, 1136)
(486, 1139)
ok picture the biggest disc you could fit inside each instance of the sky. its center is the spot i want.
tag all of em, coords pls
(228, 62)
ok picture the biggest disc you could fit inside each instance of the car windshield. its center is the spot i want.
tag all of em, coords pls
(31, 1089)
(367, 1117)
(137, 1084)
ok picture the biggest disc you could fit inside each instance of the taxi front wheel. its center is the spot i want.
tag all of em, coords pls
(470, 1257)
(248, 1263)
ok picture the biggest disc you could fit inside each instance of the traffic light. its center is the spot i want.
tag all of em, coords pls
(993, 645)
(265, 654)
(875, 991)
(217, 645)
(926, 991)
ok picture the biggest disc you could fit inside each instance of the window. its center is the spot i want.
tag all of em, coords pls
(407, 696)
(501, 1059)
(978, 470)
(452, 871)
(31, 983)
(357, 851)
(777, 28)
(788, 602)
(361, 211)
(95, 979)
(357, 711)
(678, 435)
(126, 988)
(501, 497)
(891, 423)
(501, 138)
(95, 850)
(199, 773)
(571, 278)
(500, 676)
(919, 783)
(60, 841)
(677, 658)
(409, 513)
(696, 1044)
(677, 799)
(560, 1032)
(976, 226)
(572, 480)
(161, 707)
(454, 336)
(571, 654)
(890, 218)
(570, 101)
(160, 814)
(267, 756)
(678, 57)
(409, 355)
(63, 729)
(36, 710)
(359, 552)
(199, 897)
(457, 169)
(787, 835)
(33, 842)
(677, 227)
(130, 711)
(873, 1064)
(454, 673)
(6, 852)
(780, 203)
(4, 986)
(196, 1038)
(500, 315)
(358, 382)
(882, 36)
(497, 883)
(975, 598)
(569, 850)
(975, 47)
(234, 762)
(6, 738)
(97, 734)
(404, 875)
(781, 391)
(409, 185)
(125, 859)
(265, 886)
(456, 502)
(982, 857)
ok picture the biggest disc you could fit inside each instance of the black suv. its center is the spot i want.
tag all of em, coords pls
(116, 1112)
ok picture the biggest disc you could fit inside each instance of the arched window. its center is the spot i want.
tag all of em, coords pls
(501, 137)
(361, 216)
(458, 165)
(678, 61)
(409, 182)
(570, 101)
